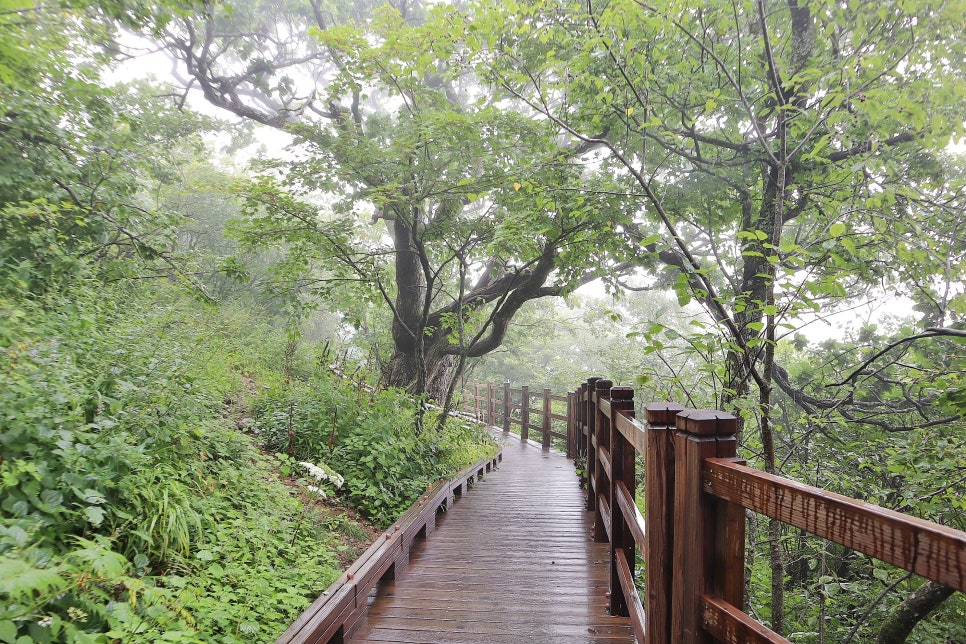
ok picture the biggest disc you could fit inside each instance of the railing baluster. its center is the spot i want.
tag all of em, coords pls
(622, 470)
(507, 397)
(590, 418)
(525, 413)
(547, 410)
(476, 400)
(659, 518)
(571, 423)
(602, 437)
(490, 404)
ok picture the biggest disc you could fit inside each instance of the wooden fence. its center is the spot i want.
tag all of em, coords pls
(534, 413)
(692, 535)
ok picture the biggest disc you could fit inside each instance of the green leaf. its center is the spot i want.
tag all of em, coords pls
(94, 514)
(21, 580)
(837, 229)
(103, 561)
(8, 631)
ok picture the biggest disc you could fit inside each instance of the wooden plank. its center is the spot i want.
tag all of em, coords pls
(729, 625)
(345, 598)
(729, 552)
(605, 516)
(603, 406)
(928, 549)
(369, 574)
(634, 605)
(603, 457)
(634, 431)
(629, 508)
(318, 625)
(471, 581)
(602, 442)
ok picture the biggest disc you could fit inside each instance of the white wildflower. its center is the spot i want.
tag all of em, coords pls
(76, 613)
(323, 474)
(316, 490)
(44, 622)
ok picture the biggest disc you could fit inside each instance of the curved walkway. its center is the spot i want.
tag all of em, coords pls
(513, 561)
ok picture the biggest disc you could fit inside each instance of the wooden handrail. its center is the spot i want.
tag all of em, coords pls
(696, 492)
(529, 409)
(693, 532)
(928, 549)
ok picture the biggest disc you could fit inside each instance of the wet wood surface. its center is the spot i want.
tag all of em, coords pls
(512, 561)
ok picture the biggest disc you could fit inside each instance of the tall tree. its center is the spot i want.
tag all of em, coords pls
(390, 121)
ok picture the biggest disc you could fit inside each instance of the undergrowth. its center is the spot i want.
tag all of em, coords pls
(369, 438)
(134, 509)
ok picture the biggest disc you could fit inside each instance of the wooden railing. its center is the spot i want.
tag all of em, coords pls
(696, 493)
(693, 533)
(339, 610)
(528, 410)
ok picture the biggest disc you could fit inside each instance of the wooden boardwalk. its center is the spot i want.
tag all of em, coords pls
(513, 561)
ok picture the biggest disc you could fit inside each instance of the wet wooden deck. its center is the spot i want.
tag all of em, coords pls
(512, 561)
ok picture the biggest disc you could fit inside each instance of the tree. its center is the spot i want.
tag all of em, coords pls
(790, 155)
(391, 123)
(77, 159)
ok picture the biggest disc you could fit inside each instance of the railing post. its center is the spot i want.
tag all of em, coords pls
(525, 413)
(600, 479)
(659, 518)
(571, 423)
(580, 425)
(490, 404)
(547, 410)
(476, 401)
(622, 472)
(506, 407)
(580, 410)
(590, 418)
(709, 536)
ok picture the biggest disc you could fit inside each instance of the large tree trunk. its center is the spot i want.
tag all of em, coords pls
(402, 371)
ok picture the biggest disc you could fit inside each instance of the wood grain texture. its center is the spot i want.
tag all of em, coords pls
(693, 519)
(659, 519)
(634, 604)
(633, 430)
(928, 549)
(512, 561)
(729, 625)
(635, 521)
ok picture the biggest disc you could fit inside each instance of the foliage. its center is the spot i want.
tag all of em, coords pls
(402, 135)
(366, 438)
(116, 455)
